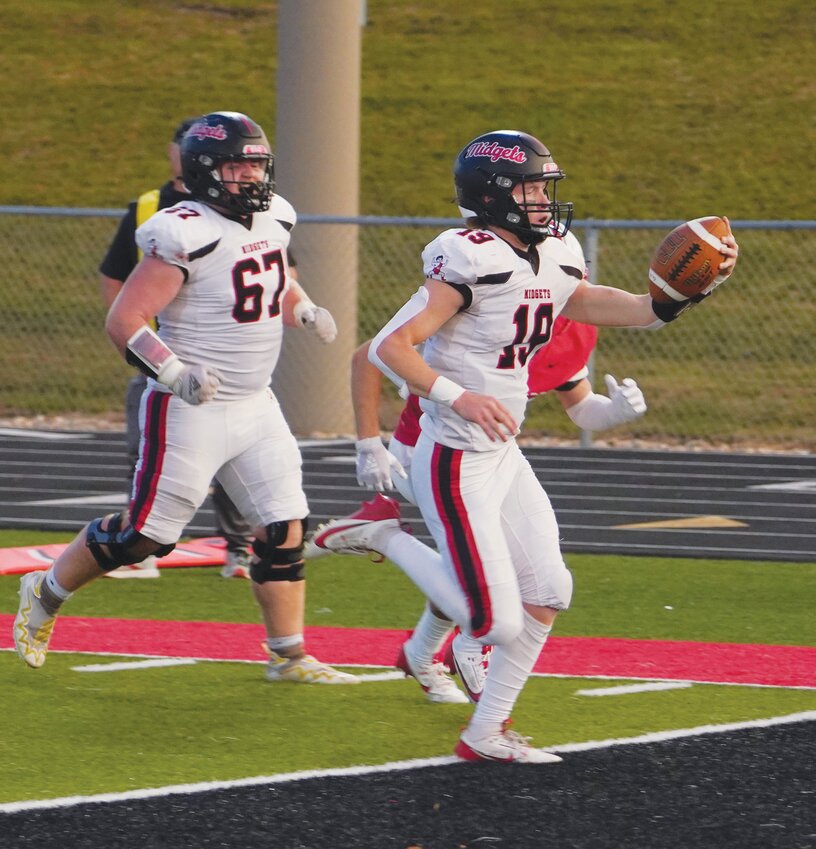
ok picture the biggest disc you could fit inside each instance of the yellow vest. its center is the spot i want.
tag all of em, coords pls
(146, 205)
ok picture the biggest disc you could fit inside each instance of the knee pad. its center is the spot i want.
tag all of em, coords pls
(124, 545)
(275, 563)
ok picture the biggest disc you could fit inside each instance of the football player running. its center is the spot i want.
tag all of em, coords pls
(561, 367)
(215, 273)
(489, 302)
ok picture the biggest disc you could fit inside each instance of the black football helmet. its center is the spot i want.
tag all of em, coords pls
(226, 137)
(488, 169)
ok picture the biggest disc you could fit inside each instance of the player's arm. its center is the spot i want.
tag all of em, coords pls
(366, 390)
(592, 411)
(607, 306)
(375, 463)
(147, 291)
(394, 348)
(300, 311)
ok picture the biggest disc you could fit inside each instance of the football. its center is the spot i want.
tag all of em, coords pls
(686, 261)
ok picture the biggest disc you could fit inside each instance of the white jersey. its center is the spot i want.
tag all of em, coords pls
(227, 314)
(511, 302)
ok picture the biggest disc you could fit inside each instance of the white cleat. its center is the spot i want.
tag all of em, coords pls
(503, 746)
(470, 660)
(237, 565)
(148, 568)
(33, 625)
(439, 687)
(357, 533)
(305, 670)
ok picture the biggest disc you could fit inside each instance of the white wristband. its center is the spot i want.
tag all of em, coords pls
(445, 391)
(300, 307)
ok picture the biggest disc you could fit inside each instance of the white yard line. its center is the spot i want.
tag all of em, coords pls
(395, 766)
(626, 689)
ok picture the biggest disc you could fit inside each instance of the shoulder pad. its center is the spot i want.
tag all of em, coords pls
(283, 211)
(179, 233)
(467, 256)
(566, 251)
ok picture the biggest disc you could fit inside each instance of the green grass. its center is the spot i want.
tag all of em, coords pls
(206, 723)
(710, 600)
(201, 722)
(654, 109)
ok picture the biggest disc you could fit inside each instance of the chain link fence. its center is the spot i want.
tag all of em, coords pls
(735, 372)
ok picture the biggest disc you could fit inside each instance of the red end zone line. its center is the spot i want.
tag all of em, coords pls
(729, 663)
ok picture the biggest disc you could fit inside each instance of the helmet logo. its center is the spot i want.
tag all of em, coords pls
(494, 151)
(255, 149)
(203, 131)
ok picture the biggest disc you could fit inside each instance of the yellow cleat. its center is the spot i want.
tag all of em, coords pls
(33, 625)
(305, 670)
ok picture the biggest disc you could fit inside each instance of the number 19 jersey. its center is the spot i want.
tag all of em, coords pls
(511, 300)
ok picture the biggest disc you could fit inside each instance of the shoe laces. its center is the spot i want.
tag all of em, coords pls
(512, 736)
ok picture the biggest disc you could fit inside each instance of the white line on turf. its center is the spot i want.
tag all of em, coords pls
(135, 664)
(395, 766)
(154, 663)
(626, 689)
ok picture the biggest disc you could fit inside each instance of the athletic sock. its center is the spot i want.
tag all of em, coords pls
(429, 636)
(52, 593)
(290, 647)
(510, 667)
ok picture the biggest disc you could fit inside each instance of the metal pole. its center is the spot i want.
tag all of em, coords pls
(591, 254)
(317, 143)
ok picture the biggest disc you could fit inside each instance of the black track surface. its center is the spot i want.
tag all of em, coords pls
(738, 790)
(594, 491)
(745, 789)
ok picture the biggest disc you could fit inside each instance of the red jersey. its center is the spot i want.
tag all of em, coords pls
(555, 364)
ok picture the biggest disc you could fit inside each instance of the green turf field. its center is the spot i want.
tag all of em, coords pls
(210, 721)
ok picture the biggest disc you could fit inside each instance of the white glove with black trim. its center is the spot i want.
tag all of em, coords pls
(317, 319)
(194, 384)
(376, 464)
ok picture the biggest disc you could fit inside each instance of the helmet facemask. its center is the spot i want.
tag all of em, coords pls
(251, 196)
(220, 138)
(515, 216)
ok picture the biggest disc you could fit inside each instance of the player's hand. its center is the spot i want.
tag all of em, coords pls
(491, 416)
(627, 399)
(319, 320)
(376, 464)
(196, 384)
(731, 254)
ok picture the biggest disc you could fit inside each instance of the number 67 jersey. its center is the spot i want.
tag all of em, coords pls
(511, 300)
(227, 314)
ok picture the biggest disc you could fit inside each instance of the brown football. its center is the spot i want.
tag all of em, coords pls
(686, 261)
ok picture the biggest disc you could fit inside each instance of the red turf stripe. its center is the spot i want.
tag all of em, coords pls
(781, 666)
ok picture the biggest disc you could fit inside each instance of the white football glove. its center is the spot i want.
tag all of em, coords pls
(194, 384)
(376, 464)
(597, 412)
(627, 399)
(317, 319)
